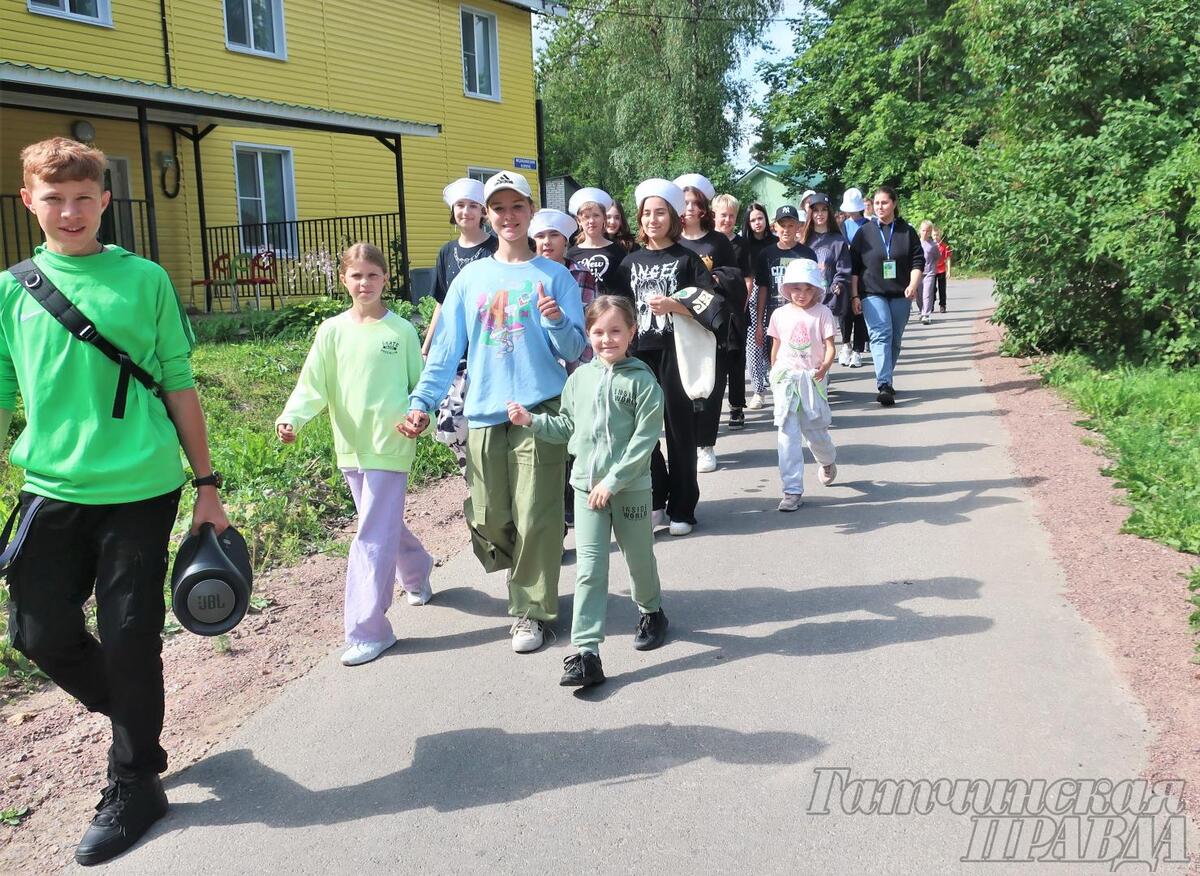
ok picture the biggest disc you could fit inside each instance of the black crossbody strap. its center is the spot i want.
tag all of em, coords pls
(76, 322)
(10, 549)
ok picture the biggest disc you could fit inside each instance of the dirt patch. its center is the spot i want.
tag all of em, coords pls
(52, 751)
(1127, 587)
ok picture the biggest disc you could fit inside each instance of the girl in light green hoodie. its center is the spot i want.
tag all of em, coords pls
(611, 418)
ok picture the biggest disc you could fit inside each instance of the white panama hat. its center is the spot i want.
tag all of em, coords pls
(803, 271)
(660, 188)
(587, 196)
(697, 181)
(552, 220)
(465, 189)
(852, 201)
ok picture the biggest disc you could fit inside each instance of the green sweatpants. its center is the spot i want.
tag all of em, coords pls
(628, 518)
(515, 511)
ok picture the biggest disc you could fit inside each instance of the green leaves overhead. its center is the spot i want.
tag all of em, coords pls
(633, 90)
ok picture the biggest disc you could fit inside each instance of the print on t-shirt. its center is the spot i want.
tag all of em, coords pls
(596, 264)
(504, 316)
(777, 272)
(649, 281)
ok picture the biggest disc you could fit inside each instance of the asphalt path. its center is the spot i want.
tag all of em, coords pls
(908, 623)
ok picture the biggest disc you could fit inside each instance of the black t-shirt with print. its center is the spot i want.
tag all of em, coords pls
(602, 263)
(714, 250)
(772, 262)
(453, 258)
(646, 273)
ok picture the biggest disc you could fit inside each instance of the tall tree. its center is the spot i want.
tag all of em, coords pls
(638, 88)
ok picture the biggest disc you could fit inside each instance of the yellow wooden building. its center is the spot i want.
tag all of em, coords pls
(248, 140)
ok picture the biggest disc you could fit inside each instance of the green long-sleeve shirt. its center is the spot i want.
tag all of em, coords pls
(363, 372)
(72, 448)
(610, 420)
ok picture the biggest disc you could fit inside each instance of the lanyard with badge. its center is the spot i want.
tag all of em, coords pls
(889, 264)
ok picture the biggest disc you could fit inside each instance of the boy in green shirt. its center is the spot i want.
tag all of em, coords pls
(102, 486)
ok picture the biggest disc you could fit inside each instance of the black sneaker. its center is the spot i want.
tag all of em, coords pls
(737, 419)
(582, 670)
(887, 395)
(651, 631)
(125, 812)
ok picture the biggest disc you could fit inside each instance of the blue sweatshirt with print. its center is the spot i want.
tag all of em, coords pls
(513, 353)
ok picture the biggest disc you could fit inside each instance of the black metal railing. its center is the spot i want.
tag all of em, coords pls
(123, 223)
(298, 259)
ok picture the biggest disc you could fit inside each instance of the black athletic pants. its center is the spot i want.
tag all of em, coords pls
(673, 479)
(854, 331)
(940, 286)
(737, 376)
(121, 552)
(708, 421)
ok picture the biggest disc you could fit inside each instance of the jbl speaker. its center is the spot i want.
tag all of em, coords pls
(211, 581)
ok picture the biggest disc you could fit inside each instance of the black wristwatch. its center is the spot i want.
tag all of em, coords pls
(216, 479)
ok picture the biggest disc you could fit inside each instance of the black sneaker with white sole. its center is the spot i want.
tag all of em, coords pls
(737, 419)
(651, 631)
(582, 670)
(125, 812)
(887, 395)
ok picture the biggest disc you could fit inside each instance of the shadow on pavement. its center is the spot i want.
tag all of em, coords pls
(695, 615)
(462, 769)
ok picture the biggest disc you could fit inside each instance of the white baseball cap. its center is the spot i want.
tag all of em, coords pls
(589, 195)
(465, 189)
(803, 271)
(660, 188)
(552, 220)
(852, 201)
(697, 181)
(506, 179)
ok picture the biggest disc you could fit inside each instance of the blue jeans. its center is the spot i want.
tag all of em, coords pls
(886, 319)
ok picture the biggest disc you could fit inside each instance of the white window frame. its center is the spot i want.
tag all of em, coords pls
(103, 17)
(484, 171)
(495, 31)
(289, 191)
(280, 53)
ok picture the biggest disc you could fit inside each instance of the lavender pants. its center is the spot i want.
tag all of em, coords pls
(383, 552)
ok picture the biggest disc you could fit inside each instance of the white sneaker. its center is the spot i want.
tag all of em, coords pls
(856, 359)
(706, 459)
(527, 634)
(790, 502)
(828, 473)
(659, 519)
(679, 527)
(421, 596)
(755, 403)
(844, 355)
(926, 319)
(364, 652)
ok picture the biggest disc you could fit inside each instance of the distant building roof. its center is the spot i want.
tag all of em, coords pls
(783, 173)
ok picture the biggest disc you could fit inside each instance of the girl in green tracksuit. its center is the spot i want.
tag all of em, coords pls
(611, 418)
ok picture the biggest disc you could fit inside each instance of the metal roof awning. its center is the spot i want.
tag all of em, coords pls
(51, 89)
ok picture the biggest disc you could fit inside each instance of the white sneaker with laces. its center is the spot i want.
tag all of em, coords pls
(364, 652)
(755, 403)
(659, 519)
(527, 634)
(706, 459)
(856, 359)
(680, 527)
(844, 355)
(790, 502)
(422, 596)
(828, 473)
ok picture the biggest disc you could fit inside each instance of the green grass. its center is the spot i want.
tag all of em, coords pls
(286, 501)
(1149, 421)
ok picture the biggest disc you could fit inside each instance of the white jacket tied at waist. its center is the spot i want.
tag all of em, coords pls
(799, 392)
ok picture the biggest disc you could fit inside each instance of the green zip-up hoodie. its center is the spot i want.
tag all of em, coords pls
(610, 420)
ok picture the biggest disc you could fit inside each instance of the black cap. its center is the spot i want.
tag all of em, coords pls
(819, 198)
(787, 211)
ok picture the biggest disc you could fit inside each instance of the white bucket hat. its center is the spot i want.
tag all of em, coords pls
(803, 271)
(852, 201)
(697, 181)
(506, 180)
(552, 220)
(465, 189)
(660, 188)
(589, 195)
